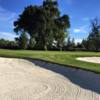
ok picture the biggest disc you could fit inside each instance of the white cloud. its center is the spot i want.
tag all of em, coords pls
(70, 2)
(6, 15)
(77, 30)
(78, 40)
(81, 29)
(85, 19)
(6, 19)
(7, 35)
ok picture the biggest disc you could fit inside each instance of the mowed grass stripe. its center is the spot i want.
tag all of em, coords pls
(59, 57)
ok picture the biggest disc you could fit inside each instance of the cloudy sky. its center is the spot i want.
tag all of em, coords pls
(80, 12)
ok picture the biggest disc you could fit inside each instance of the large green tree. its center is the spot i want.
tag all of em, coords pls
(44, 24)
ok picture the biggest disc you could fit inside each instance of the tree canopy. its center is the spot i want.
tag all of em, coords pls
(44, 24)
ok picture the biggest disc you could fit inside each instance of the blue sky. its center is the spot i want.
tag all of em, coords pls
(80, 12)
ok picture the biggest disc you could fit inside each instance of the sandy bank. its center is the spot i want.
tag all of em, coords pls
(35, 80)
(90, 59)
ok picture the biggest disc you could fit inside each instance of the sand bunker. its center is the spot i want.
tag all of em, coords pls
(90, 59)
(24, 80)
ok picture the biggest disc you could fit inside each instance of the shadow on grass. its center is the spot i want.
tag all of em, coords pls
(84, 79)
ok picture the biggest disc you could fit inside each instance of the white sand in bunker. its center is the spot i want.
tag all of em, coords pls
(35, 80)
(90, 59)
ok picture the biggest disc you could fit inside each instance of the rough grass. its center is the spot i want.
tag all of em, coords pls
(64, 58)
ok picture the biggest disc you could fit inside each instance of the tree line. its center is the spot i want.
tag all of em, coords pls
(44, 28)
(91, 43)
(6, 44)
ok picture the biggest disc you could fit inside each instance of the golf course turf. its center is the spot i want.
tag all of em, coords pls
(60, 57)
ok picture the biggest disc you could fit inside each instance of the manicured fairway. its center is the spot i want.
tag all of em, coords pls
(66, 58)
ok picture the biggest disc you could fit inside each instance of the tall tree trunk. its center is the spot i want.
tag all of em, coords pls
(45, 47)
(45, 44)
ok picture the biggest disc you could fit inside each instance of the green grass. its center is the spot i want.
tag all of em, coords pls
(65, 58)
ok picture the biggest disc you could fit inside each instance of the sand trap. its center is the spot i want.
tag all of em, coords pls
(24, 80)
(90, 59)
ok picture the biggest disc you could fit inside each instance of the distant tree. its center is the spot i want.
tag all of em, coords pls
(73, 43)
(22, 41)
(84, 44)
(94, 36)
(70, 44)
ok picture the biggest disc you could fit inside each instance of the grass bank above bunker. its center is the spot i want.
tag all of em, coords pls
(63, 58)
